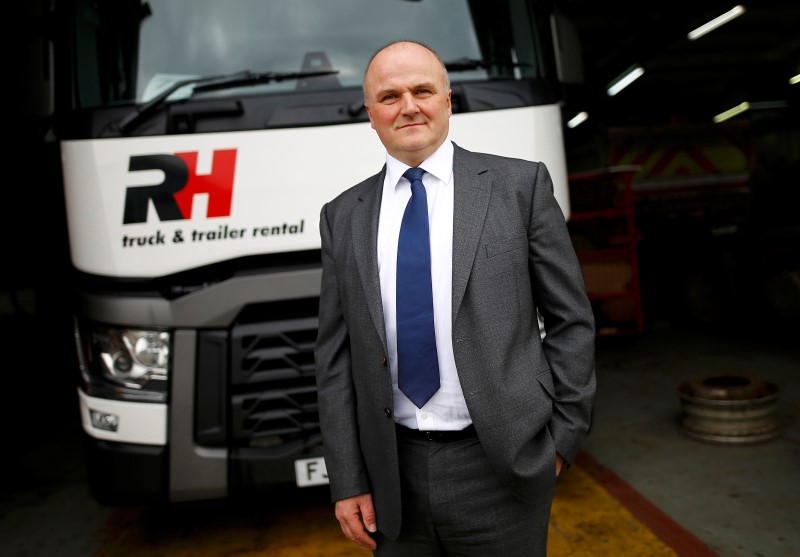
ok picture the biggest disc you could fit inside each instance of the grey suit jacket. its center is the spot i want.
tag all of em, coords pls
(527, 396)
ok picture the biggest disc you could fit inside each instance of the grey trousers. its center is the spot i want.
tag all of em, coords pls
(454, 505)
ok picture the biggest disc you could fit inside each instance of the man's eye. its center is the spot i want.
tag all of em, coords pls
(386, 98)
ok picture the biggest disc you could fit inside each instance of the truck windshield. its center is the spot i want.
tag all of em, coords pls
(130, 51)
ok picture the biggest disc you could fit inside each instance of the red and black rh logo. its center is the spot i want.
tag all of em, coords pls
(173, 197)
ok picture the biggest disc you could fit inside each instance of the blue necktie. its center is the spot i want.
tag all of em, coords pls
(417, 361)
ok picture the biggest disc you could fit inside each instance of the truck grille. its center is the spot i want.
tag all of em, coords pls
(256, 388)
(274, 395)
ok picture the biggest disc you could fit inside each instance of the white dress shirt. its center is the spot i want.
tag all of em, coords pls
(446, 410)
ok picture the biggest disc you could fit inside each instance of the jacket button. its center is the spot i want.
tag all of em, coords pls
(387, 412)
(385, 361)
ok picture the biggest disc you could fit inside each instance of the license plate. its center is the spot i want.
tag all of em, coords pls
(310, 471)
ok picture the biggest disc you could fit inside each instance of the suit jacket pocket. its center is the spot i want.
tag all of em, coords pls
(546, 381)
(506, 245)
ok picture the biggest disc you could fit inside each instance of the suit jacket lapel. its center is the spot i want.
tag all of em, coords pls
(472, 188)
(365, 247)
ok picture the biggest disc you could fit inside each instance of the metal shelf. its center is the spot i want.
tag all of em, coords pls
(607, 248)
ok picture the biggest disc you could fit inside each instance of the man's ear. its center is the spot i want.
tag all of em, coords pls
(366, 107)
(450, 101)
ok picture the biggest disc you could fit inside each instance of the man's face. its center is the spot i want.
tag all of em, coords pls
(408, 101)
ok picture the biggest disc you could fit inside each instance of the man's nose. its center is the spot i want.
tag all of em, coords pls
(409, 106)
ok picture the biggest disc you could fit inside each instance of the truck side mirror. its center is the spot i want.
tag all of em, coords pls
(567, 48)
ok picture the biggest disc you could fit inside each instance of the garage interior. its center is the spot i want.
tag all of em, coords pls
(688, 231)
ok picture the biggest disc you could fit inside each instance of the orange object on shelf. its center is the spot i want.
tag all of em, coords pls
(603, 232)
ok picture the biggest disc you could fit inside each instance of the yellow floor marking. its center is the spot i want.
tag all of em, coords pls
(308, 531)
(586, 521)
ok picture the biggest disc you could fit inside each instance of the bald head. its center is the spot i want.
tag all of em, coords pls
(407, 97)
(399, 45)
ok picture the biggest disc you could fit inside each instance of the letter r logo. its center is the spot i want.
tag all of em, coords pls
(173, 197)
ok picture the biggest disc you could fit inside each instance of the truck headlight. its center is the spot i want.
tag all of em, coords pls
(124, 363)
(133, 357)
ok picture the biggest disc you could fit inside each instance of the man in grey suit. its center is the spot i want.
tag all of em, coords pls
(470, 470)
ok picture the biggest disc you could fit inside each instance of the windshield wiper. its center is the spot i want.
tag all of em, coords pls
(468, 64)
(212, 83)
(464, 64)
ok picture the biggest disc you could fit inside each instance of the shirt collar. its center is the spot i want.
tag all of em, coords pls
(440, 164)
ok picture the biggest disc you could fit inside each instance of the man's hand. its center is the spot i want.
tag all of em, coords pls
(559, 463)
(354, 515)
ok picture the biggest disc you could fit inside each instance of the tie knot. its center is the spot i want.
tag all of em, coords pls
(413, 174)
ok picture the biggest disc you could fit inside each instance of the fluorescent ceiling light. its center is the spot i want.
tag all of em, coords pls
(739, 108)
(630, 75)
(577, 120)
(794, 80)
(730, 113)
(735, 12)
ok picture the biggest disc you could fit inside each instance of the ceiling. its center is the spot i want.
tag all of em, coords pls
(751, 58)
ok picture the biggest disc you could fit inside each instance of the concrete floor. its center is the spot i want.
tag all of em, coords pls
(740, 500)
